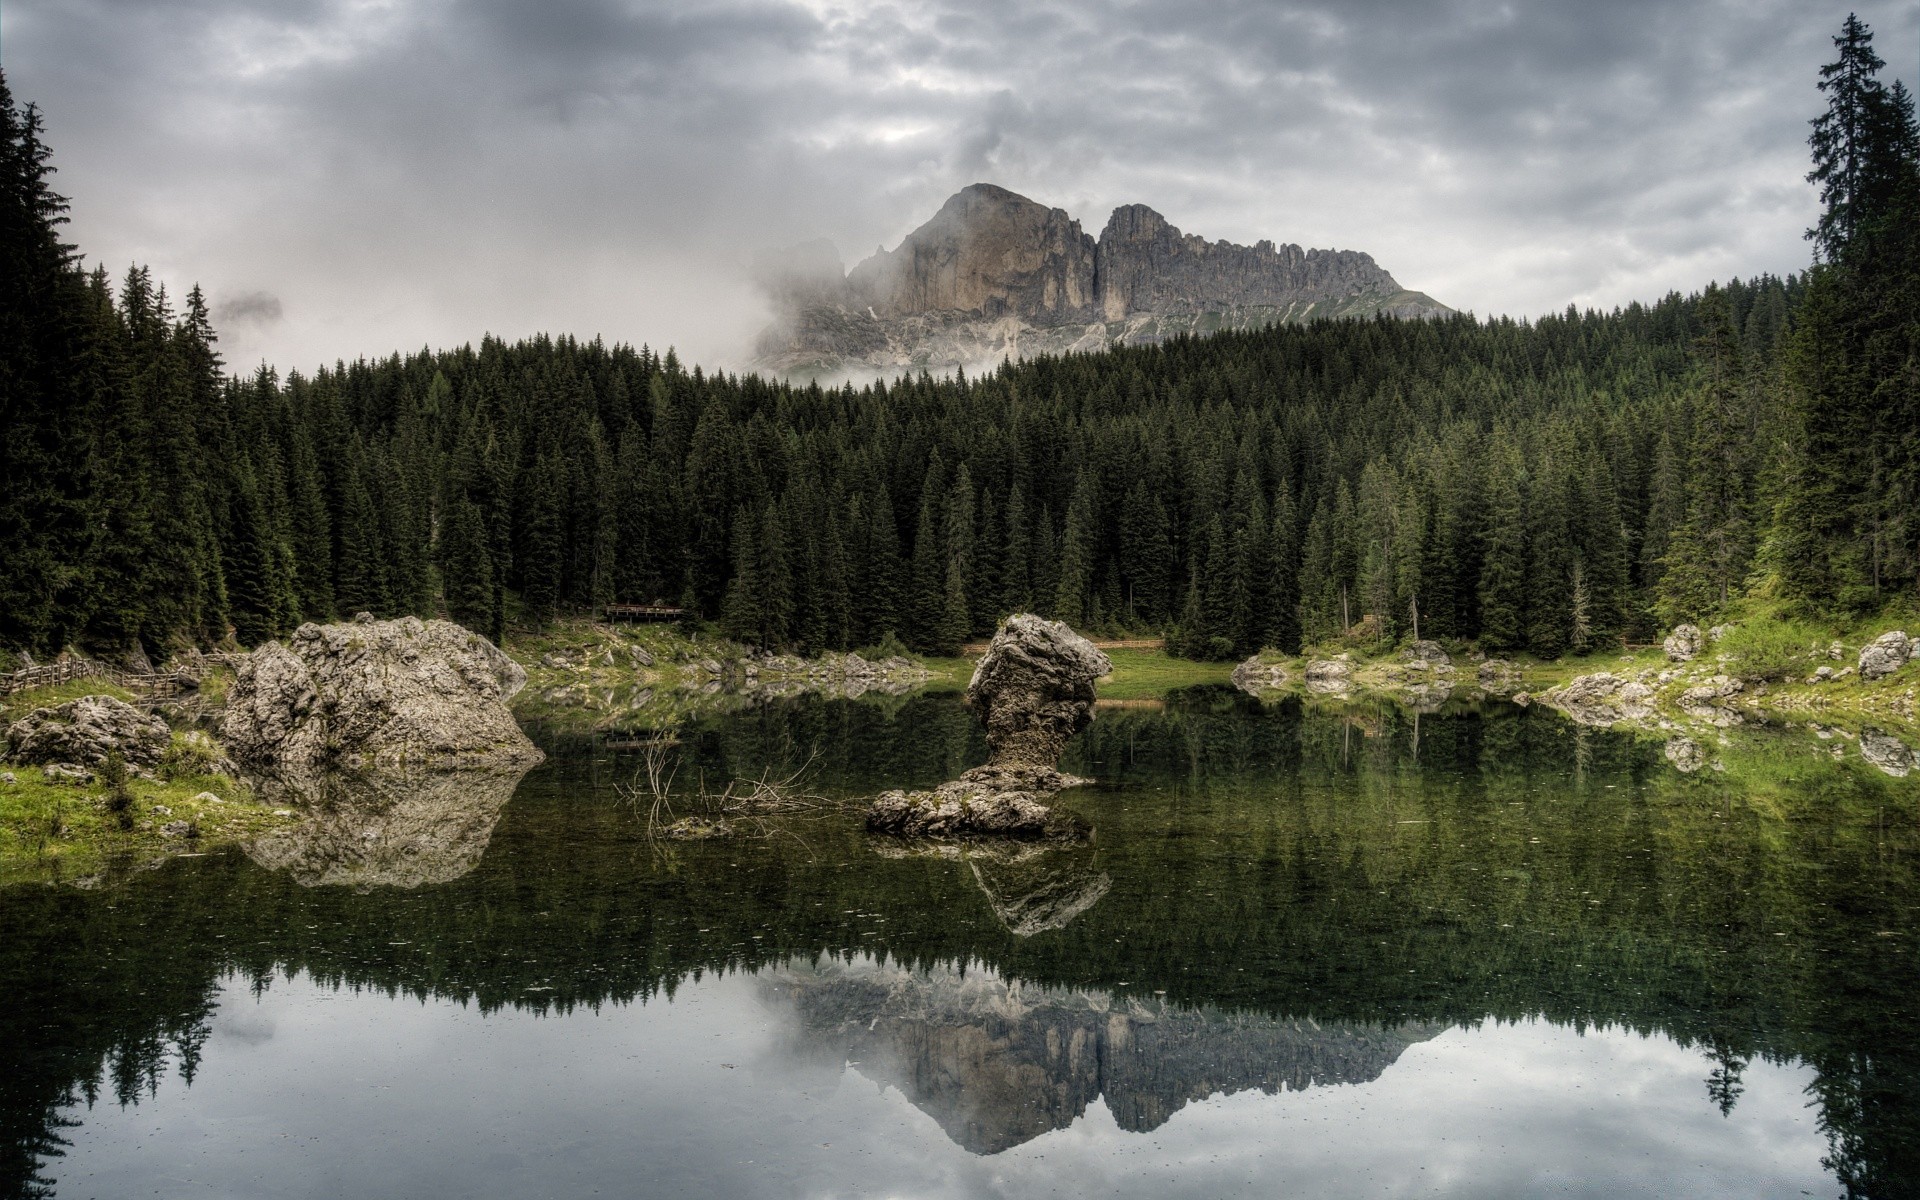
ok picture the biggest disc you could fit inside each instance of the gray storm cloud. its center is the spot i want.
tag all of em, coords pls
(418, 172)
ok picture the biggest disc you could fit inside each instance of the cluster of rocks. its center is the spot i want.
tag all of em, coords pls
(1033, 690)
(376, 694)
(75, 739)
(1601, 699)
(843, 675)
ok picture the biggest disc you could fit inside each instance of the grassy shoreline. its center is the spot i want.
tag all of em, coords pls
(66, 831)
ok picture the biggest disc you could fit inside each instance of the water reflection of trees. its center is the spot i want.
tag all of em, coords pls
(1362, 868)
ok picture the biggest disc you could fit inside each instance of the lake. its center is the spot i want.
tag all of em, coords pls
(1312, 949)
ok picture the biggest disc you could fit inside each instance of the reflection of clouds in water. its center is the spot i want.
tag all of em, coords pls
(392, 1095)
(248, 1025)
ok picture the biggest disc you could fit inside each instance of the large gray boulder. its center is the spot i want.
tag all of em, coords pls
(1886, 654)
(1033, 689)
(370, 693)
(86, 731)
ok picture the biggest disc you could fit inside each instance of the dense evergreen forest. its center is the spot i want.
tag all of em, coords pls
(1542, 486)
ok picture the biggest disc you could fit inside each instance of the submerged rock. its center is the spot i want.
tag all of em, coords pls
(1684, 643)
(962, 809)
(1329, 675)
(1889, 754)
(1886, 654)
(1497, 675)
(377, 694)
(86, 731)
(1600, 699)
(1033, 689)
(1254, 676)
(1685, 754)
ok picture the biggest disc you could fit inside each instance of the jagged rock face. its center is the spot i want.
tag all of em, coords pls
(1148, 266)
(997, 1063)
(995, 274)
(990, 252)
(86, 731)
(376, 694)
(403, 830)
(1033, 689)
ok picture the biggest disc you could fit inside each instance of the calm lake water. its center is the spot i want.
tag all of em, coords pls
(1310, 951)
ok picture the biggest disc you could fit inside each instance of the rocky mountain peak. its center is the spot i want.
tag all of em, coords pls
(995, 274)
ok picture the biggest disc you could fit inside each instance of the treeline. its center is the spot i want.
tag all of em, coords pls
(1540, 486)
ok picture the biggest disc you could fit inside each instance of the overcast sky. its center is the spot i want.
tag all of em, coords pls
(351, 177)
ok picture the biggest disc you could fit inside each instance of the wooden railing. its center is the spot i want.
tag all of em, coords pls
(67, 668)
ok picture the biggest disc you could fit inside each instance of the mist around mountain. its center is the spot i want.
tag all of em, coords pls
(994, 275)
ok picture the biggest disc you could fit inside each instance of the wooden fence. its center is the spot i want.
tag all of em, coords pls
(66, 669)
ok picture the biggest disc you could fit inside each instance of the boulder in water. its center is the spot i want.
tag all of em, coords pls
(1033, 689)
(86, 731)
(370, 693)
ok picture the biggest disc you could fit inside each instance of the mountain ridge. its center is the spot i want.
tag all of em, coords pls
(994, 274)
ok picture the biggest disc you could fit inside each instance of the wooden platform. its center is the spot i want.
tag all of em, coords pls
(644, 612)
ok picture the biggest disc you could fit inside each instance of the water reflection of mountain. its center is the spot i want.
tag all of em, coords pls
(997, 1063)
(1365, 870)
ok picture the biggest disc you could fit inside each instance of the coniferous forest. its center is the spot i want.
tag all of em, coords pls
(1542, 486)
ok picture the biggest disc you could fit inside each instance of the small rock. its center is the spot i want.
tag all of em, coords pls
(163, 810)
(7, 777)
(1836, 652)
(173, 829)
(1885, 654)
(208, 798)
(66, 773)
(1428, 653)
(1683, 643)
(1822, 673)
(1718, 632)
(639, 656)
